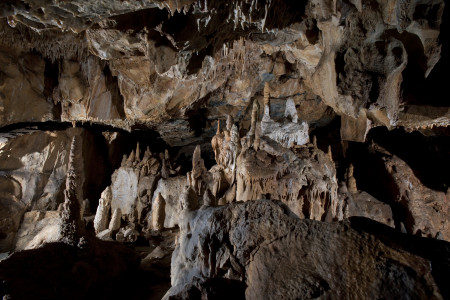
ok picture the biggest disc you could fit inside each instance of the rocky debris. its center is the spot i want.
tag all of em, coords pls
(255, 248)
(127, 234)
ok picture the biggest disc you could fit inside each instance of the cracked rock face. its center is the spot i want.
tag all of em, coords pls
(246, 149)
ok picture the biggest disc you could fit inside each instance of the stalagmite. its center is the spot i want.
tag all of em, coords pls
(158, 212)
(138, 152)
(291, 111)
(195, 177)
(101, 219)
(116, 219)
(71, 227)
(229, 123)
(330, 154)
(266, 101)
(351, 181)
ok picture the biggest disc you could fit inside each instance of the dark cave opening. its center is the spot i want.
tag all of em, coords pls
(416, 89)
(428, 156)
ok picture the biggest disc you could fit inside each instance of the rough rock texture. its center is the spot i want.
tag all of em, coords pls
(157, 62)
(101, 220)
(38, 228)
(304, 179)
(427, 210)
(255, 248)
(33, 169)
(171, 190)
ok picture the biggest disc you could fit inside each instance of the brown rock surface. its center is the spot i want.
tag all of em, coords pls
(265, 252)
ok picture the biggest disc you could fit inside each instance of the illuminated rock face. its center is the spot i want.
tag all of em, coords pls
(206, 129)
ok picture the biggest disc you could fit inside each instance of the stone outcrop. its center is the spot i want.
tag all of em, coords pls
(253, 249)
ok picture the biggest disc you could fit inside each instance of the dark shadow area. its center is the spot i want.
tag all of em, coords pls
(428, 156)
(438, 252)
(97, 270)
(112, 85)
(415, 87)
(330, 135)
(138, 20)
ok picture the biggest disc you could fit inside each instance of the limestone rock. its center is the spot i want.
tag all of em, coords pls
(133, 184)
(158, 212)
(303, 179)
(255, 247)
(116, 219)
(127, 234)
(37, 229)
(171, 190)
(33, 170)
(105, 235)
(427, 210)
(189, 199)
(362, 204)
(102, 215)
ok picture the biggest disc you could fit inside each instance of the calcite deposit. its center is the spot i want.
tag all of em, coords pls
(249, 149)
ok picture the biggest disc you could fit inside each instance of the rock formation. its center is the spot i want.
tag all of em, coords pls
(102, 215)
(285, 149)
(71, 227)
(158, 212)
(251, 250)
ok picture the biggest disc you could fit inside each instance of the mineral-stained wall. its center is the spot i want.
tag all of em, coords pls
(210, 149)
